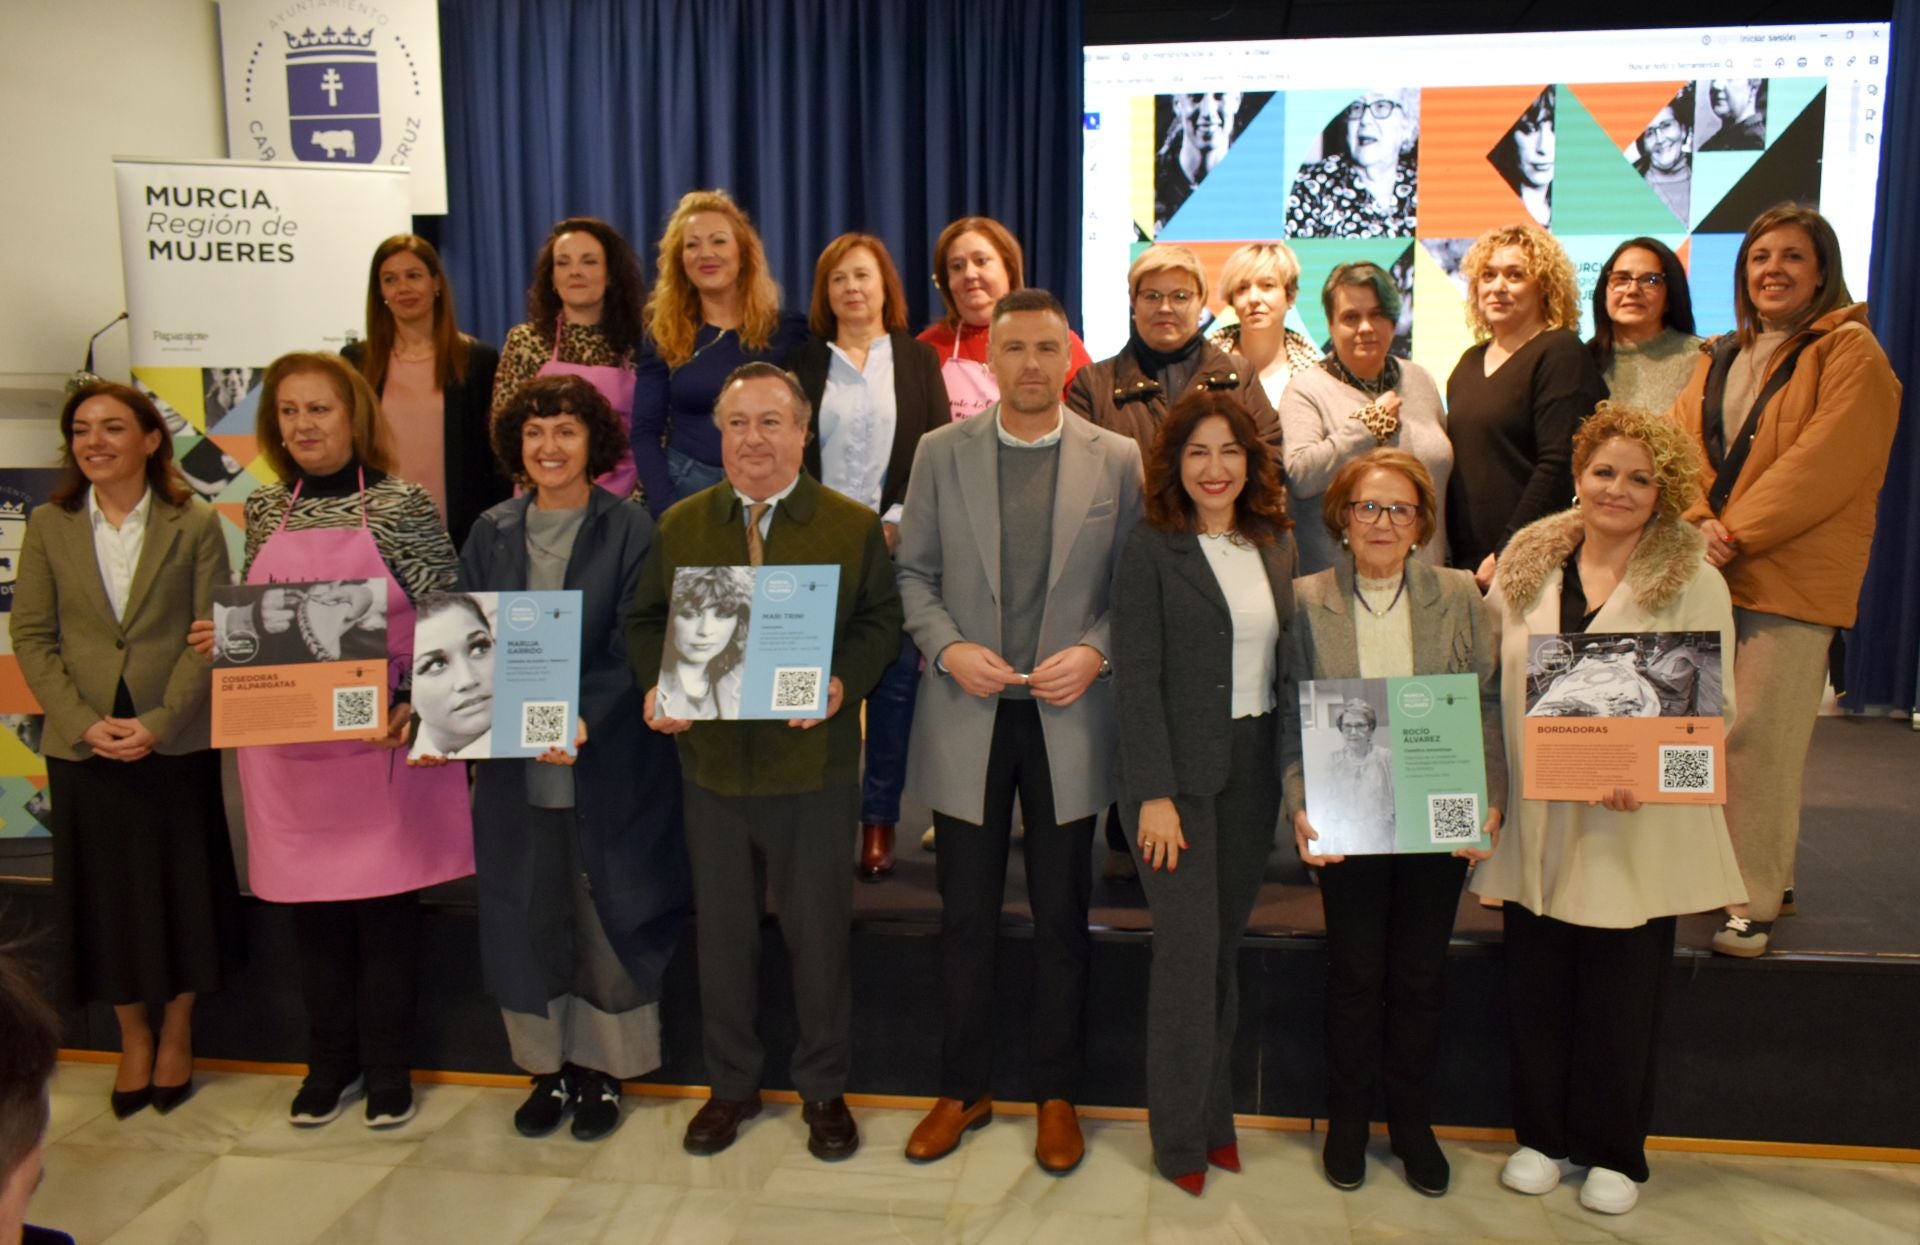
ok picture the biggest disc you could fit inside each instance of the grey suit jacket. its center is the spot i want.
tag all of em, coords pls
(74, 653)
(948, 566)
(1454, 632)
(1173, 664)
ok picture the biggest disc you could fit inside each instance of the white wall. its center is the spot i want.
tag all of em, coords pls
(82, 81)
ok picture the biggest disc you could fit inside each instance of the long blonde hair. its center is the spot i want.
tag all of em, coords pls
(673, 307)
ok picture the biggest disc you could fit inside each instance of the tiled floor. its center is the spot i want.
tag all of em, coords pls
(227, 1168)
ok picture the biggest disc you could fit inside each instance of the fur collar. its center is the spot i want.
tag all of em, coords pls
(1662, 565)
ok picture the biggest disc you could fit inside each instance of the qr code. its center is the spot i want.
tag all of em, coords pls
(543, 724)
(796, 688)
(1686, 767)
(354, 708)
(1454, 818)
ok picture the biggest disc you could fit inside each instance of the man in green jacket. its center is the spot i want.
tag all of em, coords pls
(785, 792)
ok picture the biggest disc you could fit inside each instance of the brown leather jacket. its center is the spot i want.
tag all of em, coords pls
(1114, 393)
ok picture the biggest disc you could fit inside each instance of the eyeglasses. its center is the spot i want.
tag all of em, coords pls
(1662, 129)
(1626, 280)
(1153, 298)
(1380, 108)
(1368, 513)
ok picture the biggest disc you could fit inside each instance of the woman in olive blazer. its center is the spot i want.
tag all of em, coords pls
(111, 574)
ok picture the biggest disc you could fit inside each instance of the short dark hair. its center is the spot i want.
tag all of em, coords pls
(546, 396)
(29, 1047)
(761, 370)
(1030, 299)
(1362, 274)
(1259, 513)
(1679, 313)
(163, 475)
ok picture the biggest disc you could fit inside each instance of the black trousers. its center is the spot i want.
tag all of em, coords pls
(1200, 910)
(1585, 1013)
(1388, 922)
(803, 845)
(359, 959)
(971, 869)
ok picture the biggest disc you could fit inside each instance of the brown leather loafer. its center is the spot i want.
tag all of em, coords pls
(1060, 1146)
(876, 851)
(831, 1134)
(715, 1125)
(936, 1136)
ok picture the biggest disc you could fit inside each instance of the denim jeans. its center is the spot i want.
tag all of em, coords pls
(690, 475)
(889, 721)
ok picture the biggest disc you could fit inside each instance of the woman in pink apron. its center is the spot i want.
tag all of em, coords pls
(345, 833)
(976, 263)
(583, 319)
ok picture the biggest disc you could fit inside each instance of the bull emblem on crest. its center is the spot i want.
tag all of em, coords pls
(333, 96)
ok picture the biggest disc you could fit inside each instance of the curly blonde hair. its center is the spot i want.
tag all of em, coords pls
(672, 313)
(1677, 466)
(1547, 263)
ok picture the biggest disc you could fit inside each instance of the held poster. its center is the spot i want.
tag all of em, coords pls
(1394, 765)
(748, 642)
(496, 674)
(1640, 710)
(338, 83)
(299, 663)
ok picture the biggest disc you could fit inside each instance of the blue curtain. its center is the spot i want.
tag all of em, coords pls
(1883, 652)
(819, 116)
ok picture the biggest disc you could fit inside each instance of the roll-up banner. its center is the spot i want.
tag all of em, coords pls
(338, 83)
(229, 265)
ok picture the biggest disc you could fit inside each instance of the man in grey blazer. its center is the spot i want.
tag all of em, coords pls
(1012, 532)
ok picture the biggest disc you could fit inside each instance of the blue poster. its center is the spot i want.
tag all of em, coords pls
(748, 642)
(496, 674)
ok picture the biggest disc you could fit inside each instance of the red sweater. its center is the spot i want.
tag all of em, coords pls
(973, 345)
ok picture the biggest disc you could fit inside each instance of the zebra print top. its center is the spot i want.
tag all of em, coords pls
(404, 521)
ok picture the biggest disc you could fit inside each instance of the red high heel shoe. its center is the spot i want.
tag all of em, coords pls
(1226, 1157)
(1192, 1182)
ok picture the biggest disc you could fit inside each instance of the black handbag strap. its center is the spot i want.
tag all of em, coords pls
(1728, 460)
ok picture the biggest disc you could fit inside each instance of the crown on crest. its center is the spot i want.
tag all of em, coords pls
(307, 41)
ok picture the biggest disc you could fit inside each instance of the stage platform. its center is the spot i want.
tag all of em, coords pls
(1811, 1045)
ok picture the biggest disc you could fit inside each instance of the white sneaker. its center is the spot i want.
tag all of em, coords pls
(1608, 1192)
(1531, 1172)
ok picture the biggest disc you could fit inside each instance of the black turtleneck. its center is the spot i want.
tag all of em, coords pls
(1173, 369)
(342, 483)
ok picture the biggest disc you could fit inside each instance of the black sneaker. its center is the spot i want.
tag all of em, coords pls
(596, 1105)
(547, 1105)
(322, 1098)
(389, 1097)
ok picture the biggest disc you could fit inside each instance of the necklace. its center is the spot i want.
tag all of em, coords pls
(1361, 597)
(720, 335)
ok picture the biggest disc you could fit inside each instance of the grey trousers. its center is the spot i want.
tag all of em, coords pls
(1200, 910)
(802, 846)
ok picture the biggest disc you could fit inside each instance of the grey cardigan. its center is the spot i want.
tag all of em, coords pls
(1454, 632)
(1173, 663)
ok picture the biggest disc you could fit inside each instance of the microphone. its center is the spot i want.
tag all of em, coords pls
(94, 340)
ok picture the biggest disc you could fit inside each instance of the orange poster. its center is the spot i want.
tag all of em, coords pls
(1639, 710)
(299, 663)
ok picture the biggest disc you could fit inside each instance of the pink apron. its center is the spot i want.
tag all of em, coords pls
(616, 386)
(348, 820)
(971, 387)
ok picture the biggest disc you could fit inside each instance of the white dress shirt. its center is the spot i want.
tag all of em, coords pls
(858, 413)
(1038, 443)
(1256, 624)
(117, 549)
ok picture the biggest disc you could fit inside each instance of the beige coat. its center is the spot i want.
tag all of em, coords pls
(1582, 863)
(74, 653)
